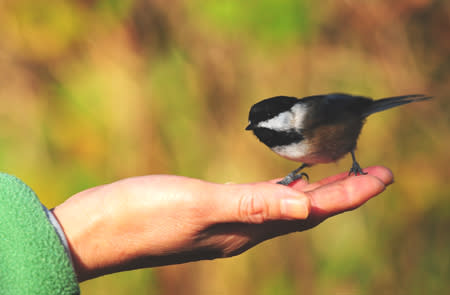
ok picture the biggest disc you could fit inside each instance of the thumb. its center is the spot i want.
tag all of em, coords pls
(260, 202)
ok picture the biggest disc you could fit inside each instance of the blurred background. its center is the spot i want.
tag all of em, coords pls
(95, 91)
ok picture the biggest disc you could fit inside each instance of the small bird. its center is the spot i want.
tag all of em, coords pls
(316, 129)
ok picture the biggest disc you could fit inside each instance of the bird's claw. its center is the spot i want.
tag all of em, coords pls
(291, 177)
(356, 169)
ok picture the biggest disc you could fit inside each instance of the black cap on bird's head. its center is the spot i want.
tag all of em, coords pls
(269, 108)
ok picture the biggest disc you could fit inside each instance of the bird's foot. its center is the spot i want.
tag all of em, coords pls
(291, 177)
(356, 169)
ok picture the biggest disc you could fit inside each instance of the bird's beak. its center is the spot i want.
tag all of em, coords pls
(250, 127)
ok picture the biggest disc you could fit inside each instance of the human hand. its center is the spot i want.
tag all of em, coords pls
(160, 219)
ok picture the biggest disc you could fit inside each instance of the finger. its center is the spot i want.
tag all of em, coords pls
(259, 202)
(297, 183)
(382, 173)
(344, 195)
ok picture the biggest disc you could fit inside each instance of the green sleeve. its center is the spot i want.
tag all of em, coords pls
(32, 258)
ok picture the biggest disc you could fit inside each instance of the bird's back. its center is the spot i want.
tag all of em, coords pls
(333, 108)
(333, 125)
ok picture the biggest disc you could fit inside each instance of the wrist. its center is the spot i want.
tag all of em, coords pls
(84, 219)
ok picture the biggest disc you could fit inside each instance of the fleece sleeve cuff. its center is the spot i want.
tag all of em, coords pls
(33, 259)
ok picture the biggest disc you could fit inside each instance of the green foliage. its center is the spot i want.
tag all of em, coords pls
(266, 20)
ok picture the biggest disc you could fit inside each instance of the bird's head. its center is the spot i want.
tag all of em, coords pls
(277, 120)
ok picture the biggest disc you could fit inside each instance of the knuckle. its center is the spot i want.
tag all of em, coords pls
(253, 209)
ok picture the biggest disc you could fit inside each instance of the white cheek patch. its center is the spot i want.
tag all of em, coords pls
(281, 122)
(292, 119)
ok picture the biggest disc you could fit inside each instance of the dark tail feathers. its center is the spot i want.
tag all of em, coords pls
(390, 102)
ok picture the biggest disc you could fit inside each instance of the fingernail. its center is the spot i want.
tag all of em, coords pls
(295, 208)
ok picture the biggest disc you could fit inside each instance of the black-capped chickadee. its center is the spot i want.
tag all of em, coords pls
(316, 129)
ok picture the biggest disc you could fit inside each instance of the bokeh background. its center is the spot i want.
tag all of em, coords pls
(95, 91)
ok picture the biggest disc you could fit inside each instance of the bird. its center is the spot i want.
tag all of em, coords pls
(317, 129)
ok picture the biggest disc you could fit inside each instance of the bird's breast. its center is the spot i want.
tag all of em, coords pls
(322, 144)
(295, 151)
(306, 153)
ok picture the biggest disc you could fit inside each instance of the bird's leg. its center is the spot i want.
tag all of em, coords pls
(294, 175)
(355, 166)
